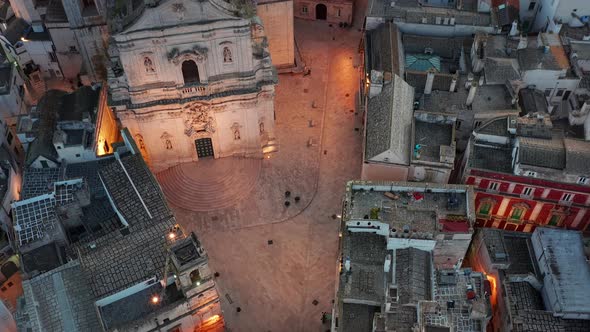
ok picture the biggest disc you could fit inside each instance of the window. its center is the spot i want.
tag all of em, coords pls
(527, 191)
(485, 207)
(458, 124)
(190, 72)
(494, 186)
(560, 92)
(304, 10)
(530, 173)
(52, 57)
(195, 276)
(518, 211)
(567, 197)
(338, 12)
(73, 49)
(532, 5)
(77, 155)
(44, 164)
(9, 138)
(175, 329)
(476, 124)
(555, 220)
(582, 180)
(548, 92)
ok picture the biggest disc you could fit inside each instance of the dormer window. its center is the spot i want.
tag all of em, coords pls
(530, 173)
(582, 180)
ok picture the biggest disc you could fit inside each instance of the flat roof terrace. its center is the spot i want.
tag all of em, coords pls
(411, 207)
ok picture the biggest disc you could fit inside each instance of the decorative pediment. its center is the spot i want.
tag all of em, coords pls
(197, 53)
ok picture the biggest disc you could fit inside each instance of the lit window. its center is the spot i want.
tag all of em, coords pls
(485, 207)
(494, 186)
(582, 180)
(527, 191)
(518, 212)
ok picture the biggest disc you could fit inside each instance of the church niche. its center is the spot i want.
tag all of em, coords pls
(227, 56)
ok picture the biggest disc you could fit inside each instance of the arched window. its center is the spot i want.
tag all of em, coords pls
(190, 72)
(227, 58)
(518, 211)
(486, 206)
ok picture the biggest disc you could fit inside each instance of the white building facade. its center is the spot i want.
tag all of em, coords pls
(192, 80)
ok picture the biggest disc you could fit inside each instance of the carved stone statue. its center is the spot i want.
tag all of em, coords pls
(227, 58)
(167, 138)
(198, 121)
(148, 64)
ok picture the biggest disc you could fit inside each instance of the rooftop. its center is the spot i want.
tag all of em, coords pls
(556, 156)
(389, 123)
(435, 136)
(487, 98)
(410, 209)
(414, 11)
(565, 269)
(111, 254)
(58, 300)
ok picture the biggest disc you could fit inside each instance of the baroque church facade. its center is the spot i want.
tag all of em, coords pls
(192, 79)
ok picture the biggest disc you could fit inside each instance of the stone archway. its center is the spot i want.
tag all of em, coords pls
(321, 12)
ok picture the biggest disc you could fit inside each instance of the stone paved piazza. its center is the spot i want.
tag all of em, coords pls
(275, 262)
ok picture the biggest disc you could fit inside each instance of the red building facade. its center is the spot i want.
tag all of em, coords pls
(516, 203)
(522, 182)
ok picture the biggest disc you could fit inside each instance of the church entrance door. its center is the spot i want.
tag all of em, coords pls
(204, 147)
(321, 12)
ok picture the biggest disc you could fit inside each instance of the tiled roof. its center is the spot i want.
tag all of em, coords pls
(534, 58)
(577, 156)
(381, 44)
(389, 120)
(58, 300)
(48, 107)
(549, 153)
(500, 71)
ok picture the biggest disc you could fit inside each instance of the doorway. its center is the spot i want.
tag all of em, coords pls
(321, 12)
(204, 147)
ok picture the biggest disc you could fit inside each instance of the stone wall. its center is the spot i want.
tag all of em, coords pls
(277, 18)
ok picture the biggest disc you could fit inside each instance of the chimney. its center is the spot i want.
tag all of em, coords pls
(522, 42)
(387, 264)
(514, 29)
(471, 94)
(375, 83)
(429, 82)
(453, 84)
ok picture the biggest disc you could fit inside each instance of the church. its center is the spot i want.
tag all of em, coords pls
(192, 79)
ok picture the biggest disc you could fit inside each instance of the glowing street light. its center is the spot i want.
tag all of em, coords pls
(155, 299)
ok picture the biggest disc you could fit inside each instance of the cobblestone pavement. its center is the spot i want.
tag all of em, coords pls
(276, 262)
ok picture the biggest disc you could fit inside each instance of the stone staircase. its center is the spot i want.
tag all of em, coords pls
(210, 184)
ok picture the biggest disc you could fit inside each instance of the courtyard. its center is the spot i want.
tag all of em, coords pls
(270, 226)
